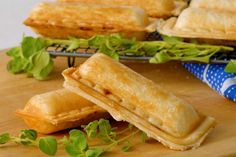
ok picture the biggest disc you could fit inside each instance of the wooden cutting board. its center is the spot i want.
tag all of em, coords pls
(15, 90)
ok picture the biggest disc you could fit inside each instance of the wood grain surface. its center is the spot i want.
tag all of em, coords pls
(15, 90)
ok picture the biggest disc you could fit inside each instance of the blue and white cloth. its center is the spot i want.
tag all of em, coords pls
(215, 76)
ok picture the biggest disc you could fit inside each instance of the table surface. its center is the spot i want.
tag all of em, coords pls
(17, 89)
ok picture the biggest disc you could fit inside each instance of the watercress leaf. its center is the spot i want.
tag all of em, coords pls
(97, 40)
(64, 140)
(104, 128)
(46, 70)
(14, 52)
(17, 65)
(94, 152)
(28, 134)
(172, 39)
(92, 129)
(75, 43)
(143, 137)
(160, 57)
(231, 67)
(48, 145)
(32, 45)
(72, 150)
(78, 138)
(4, 138)
(40, 61)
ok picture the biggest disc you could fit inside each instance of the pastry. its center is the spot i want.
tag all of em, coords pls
(130, 97)
(201, 23)
(221, 5)
(57, 110)
(61, 20)
(154, 8)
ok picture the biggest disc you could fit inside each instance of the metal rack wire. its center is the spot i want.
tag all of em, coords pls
(85, 52)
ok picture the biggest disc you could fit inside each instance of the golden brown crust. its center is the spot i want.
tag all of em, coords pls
(154, 8)
(221, 5)
(130, 97)
(201, 23)
(60, 20)
(58, 110)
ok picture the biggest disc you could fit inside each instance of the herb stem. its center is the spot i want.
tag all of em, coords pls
(121, 140)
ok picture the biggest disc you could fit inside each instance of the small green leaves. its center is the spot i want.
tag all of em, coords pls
(91, 129)
(48, 145)
(94, 152)
(28, 134)
(31, 57)
(76, 144)
(4, 138)
(143, 137)
(78, 138)
(231, 67)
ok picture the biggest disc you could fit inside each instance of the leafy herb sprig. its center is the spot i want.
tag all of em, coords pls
(32, 58)
(76, 144)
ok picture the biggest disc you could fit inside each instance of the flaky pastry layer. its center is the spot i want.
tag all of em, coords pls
(221, 5)
(150, 116)
(154, 8)
(201, 23)
(57, 110)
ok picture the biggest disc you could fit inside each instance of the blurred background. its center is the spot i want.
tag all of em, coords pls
(12, 15)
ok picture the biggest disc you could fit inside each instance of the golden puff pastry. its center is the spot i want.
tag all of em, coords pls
(201, 23)
(58, 110)
(61, 20)
(154, 8)
(221, 5)
(130, 97)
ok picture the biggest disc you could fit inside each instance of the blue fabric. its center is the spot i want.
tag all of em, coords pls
(215, 76)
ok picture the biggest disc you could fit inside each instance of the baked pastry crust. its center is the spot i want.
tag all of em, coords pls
(154, 8)
(61, 20)
(130, 97)
(57, 110)
(201, 23)
(221, 5)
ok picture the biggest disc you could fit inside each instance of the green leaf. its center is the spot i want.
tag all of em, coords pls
(72, 150)
(78, 138)
(28, 134)
(14, 52)
(105, 130)
(143, 137)
(46, 70)
(231, 67)
(160, 57)
(42, 65)
(172, 39)
(17, 65)
(92, 129)
(48, 145)
(4, 138)
(31, 45)
(64, 140)
(94, 152)
(76, 43)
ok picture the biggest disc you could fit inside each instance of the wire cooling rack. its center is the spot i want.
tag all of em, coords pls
(85, 52)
